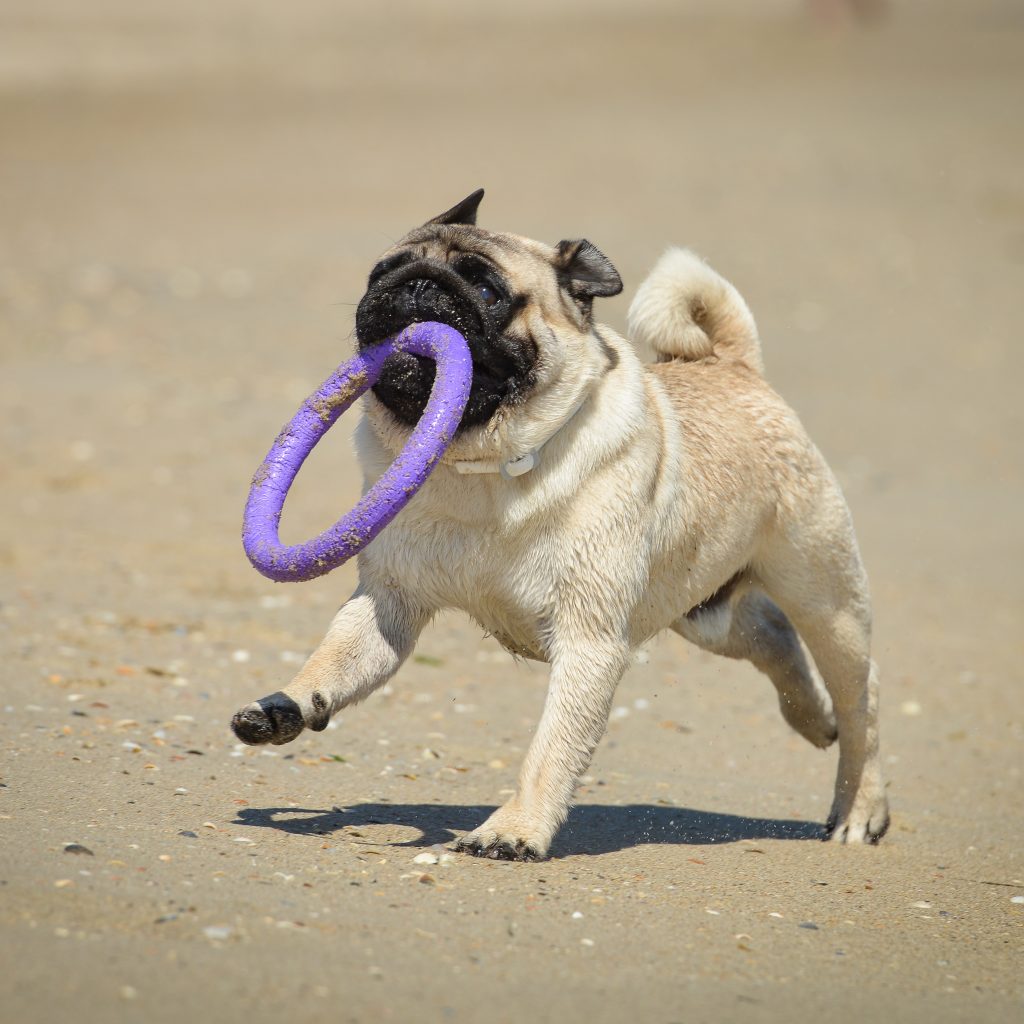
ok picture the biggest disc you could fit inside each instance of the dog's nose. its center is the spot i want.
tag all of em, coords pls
(423, 298)
(420, 288)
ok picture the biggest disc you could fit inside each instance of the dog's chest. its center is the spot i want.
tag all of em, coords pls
(509, 598)
(506, 586)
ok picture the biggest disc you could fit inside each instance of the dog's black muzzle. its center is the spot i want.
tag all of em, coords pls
(421, 290)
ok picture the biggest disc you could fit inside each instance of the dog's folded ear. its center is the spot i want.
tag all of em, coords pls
(584, 271)
(460, 213)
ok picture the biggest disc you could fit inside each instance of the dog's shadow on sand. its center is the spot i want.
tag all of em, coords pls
(590, 829)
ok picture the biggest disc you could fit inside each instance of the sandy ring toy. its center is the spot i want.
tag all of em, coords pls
(389, 495)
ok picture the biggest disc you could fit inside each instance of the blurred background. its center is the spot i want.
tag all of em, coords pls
(192, 194)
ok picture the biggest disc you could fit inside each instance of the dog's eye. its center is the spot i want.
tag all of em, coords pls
(488, 294)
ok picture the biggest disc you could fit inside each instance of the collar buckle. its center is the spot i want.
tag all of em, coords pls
(520, 466)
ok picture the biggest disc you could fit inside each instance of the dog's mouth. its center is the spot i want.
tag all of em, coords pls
(470, 296)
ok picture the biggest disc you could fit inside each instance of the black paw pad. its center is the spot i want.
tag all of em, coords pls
(275, 719)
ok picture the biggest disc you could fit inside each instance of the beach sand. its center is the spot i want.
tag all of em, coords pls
(190, 200)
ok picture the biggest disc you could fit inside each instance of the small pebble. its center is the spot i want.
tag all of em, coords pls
(426, 858)
(809, 925)
(218, 932)
(62, 883)
(586, 942)
(1017, 899)
(188, 834)
(180, 791)
(576, 915)
(78, 848)
(82, 451)
(922, 905)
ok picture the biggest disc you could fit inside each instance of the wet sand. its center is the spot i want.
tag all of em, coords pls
(190, 202)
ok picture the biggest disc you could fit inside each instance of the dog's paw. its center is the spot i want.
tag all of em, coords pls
(278, 719)
(508, 834)
(866, 822)
(498, 849)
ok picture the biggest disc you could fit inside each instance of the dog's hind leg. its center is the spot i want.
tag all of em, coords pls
(820, 584)
(367, 642)
(746, 624)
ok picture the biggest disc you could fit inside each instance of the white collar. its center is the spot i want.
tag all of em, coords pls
(522, 464)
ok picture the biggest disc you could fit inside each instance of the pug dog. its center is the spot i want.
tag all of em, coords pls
(591, 500)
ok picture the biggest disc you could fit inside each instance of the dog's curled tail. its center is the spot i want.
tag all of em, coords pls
(685, 310)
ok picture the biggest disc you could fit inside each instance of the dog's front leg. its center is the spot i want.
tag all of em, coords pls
(579, 698)
(368, 640)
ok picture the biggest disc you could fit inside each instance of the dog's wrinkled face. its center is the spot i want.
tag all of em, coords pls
(508, 296)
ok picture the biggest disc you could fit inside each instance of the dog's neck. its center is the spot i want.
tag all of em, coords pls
(521, 464)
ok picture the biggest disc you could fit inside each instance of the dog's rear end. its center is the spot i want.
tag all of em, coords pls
(805, 574)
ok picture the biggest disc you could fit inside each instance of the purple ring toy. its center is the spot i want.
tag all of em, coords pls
(390, 494)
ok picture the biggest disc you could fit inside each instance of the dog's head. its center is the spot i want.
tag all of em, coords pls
(522, 306)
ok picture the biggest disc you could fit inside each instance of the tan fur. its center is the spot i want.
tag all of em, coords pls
(684, 310)
(671, 481)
